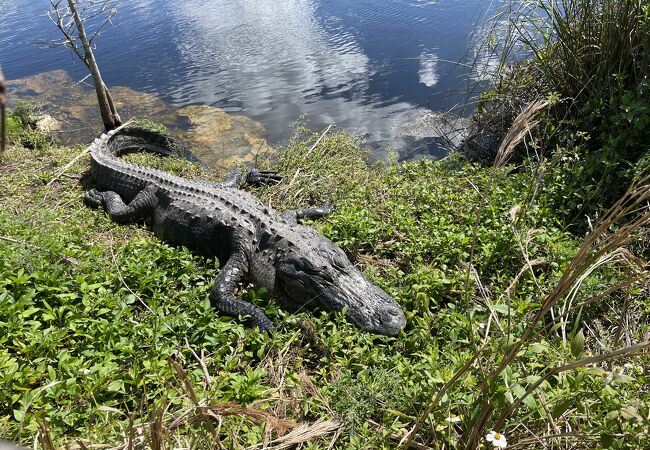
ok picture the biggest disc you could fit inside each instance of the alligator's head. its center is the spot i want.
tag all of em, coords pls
(320, 274)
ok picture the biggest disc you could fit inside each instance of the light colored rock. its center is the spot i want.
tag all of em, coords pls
(219, 138)
(449, 128)
(47, 124)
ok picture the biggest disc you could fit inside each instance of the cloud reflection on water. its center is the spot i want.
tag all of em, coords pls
(428, 71)
(245, 53)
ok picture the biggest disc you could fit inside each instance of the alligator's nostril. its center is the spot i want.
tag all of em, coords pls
(388, 316)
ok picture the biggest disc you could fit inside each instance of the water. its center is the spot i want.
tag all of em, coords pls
(370, 66)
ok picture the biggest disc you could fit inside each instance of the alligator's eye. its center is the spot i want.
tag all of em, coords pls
(339, 260)
(309, 268)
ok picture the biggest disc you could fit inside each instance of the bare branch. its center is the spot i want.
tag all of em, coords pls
(3, 114)
(74, 19)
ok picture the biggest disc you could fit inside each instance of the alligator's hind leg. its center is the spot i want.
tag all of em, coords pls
(222, 296)
(294, 215)
(141, 207)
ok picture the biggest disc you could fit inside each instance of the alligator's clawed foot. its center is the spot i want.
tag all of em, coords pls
(263, 177)
(264, 324)
(295, 215)
(94, 199)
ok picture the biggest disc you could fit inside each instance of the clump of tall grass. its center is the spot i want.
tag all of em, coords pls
(581, 49)
(591, 59)
(593, 49)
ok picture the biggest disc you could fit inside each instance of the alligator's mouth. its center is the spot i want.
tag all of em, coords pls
(370, 308)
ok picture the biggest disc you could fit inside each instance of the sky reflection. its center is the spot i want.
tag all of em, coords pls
(369, 66)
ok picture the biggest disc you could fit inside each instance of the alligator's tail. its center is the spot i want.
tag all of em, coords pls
(132, 139)
(127, 179)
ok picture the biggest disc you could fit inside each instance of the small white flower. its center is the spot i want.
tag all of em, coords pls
(617, 372)
(84, 371)
(440, 427)
(498, 440)
(606, 376)
(453, 418)
(628, 366)
(480, 325)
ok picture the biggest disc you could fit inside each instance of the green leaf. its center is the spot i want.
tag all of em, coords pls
(578, 344)
(502, 309)
(561, 407)
(18, 415)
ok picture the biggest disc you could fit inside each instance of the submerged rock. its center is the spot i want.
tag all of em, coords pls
(47, 124)
(69, 110)
(443, 131)
(217, 135)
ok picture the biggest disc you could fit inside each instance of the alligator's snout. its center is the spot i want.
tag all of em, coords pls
(368, 307)
(321, 273)
(392, 321)
(371, 309)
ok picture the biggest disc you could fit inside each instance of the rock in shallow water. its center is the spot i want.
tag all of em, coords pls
(70, 111)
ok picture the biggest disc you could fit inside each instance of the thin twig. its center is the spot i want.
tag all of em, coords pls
(15, 241)
(319, 139)
(67, 166)
(201, 361)
(119, 274)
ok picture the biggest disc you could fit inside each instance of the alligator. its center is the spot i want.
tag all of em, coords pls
(296, 264)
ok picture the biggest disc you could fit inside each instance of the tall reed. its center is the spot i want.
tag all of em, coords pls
(593, 49)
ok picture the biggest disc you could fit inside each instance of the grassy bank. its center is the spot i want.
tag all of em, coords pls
(106, 336)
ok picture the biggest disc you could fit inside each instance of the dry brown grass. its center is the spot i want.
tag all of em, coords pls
(522, 127)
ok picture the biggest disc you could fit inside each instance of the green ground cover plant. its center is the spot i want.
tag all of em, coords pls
(514, 325)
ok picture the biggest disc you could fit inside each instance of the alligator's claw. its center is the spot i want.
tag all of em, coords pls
(94, 199)
(263, 177)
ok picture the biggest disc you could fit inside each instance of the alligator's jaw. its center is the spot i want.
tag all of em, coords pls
(370, 308)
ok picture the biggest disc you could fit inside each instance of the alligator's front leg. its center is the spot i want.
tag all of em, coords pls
(222, 296)
(141, 207)
(294, 215)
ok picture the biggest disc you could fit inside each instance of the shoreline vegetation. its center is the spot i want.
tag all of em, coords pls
(524, 282)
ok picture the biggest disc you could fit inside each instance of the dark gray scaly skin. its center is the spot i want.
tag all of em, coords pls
(295, 263)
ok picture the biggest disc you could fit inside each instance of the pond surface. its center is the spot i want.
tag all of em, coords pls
(370, 66)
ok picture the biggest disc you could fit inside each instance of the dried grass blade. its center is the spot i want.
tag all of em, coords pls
(520, 128)
(45, 437)
(301, 434)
